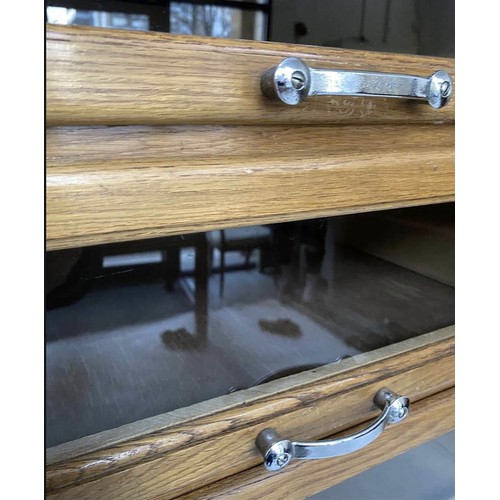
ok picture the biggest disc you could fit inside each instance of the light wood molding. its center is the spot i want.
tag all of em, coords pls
(428, 419)
(99, 76)
(124, 183)
(190, 454)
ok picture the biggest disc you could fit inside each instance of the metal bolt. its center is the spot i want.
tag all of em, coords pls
(402, 412)
(398, 413)
(445, 89)
(298, 80)
(282, 460)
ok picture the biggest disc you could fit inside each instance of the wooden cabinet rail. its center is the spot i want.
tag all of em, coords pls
(112, 184)
(97, 76)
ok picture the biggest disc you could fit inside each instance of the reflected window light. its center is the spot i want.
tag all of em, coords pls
(213, 20)
(186, 17)
(60, 15)
(101, 19)
(204, 20)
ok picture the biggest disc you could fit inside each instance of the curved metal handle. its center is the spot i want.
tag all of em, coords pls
(278, 452)
(292, 81)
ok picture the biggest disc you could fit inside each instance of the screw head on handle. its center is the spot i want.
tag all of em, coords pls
(278, 455)
(289, 81)
(277, 451)
(298, 80)
(399, 406)
(399, 410)
(440, 89)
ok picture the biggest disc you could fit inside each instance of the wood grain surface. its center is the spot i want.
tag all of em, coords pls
(194, 452)
(110, 184)
(97, 76)
(428, 419)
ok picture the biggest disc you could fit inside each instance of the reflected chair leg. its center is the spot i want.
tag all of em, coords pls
(222, 262)
(171, 261)
(201, 285)
(248, 253)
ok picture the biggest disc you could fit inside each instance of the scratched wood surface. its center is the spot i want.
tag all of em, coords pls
(97, 76)
(110, 184)
(197, 448)
(429, 419)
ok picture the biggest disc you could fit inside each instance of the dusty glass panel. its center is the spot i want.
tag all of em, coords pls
(141, 328)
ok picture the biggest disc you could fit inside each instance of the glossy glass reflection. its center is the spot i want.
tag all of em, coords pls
(213, 20)
(101, 19)
(406, 26)
(140, 328)
(233, 19)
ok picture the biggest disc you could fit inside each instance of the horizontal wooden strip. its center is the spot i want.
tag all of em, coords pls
(148, 146)
(96, 76)
(429, 419)
(157, 232)
(112, 185)
(189, 455)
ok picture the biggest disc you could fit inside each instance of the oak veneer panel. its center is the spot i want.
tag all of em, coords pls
(125, 183)
(96, 76)
(192, 454)
(428, 419)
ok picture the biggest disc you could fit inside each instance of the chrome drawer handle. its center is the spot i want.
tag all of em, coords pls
(292, 81)
(278, 452)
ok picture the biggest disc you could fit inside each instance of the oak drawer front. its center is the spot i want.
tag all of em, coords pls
(431, 417)
(177, 459)
(97, 76)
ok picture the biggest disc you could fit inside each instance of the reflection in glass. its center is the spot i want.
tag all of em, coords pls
(61, 15)
(212, 20)
(139, 328)
(204, 20)
(234, 20)
(411, 27)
